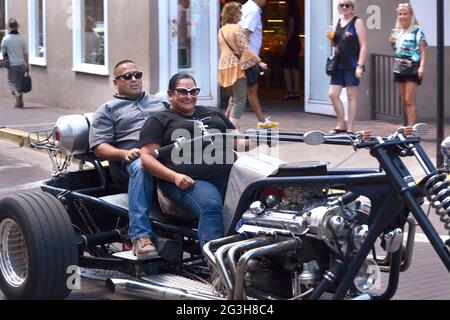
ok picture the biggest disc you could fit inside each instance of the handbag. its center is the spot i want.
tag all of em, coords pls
(406, 67)
(332, 65)
(5, 62)
(26, 83)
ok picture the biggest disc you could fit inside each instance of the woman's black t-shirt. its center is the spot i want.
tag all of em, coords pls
(200, 160)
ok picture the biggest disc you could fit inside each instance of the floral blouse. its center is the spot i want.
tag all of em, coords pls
(233, 61)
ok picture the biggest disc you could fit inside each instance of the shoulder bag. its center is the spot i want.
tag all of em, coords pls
(406, 67)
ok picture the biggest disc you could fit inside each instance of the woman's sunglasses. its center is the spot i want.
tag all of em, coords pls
(183, 92)
(345, 5)
(129, 75)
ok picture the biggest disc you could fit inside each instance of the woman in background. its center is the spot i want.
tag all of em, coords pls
(408, 42)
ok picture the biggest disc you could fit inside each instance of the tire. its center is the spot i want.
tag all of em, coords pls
(37, 245)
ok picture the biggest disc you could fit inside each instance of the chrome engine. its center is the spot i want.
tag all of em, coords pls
(287, 235)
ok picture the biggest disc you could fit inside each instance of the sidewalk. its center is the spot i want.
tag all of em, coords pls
(15, 124)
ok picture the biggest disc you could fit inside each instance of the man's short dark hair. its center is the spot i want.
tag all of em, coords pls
(13, 24)
(122, 62)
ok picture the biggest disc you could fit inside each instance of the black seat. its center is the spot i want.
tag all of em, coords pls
(304, 168)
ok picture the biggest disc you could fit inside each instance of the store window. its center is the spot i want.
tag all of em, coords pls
(90, 36)
(37, 36)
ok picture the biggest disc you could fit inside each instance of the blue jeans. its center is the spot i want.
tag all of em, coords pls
(140, 195)
(203, 199)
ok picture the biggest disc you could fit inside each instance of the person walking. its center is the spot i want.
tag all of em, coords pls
(350, 45)
(252, 25)
(409, 44)
(291, 51)
(235, 56)
(15, 48)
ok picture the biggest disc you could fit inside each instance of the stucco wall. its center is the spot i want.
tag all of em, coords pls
(131, 34)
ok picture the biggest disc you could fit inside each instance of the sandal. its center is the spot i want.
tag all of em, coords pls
(350, 133)
(338, 131)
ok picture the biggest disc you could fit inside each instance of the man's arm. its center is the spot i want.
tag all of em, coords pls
(105, 151)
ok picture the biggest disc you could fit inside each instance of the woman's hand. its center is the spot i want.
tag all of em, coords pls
(393, 38)
(359, 73)
(421, 72)
(183, 182)
(262, 65)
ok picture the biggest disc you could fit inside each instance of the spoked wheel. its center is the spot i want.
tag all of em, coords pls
(13, 253)
(37, 247)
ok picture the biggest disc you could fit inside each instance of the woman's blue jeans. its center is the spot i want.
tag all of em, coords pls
(203, 199)
(140, 195)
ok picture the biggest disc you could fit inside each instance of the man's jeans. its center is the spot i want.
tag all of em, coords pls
(140, 195)
(203, 199)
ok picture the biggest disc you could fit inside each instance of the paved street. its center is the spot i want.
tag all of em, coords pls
(22, 169)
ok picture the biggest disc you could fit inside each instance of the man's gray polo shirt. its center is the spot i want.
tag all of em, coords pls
(119, 121)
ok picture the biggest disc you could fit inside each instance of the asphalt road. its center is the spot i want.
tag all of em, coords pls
(23, 170)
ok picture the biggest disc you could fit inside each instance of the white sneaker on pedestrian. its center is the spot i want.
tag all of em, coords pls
(267, 124)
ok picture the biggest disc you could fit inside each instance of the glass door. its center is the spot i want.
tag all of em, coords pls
(189, 44)
(319, 14)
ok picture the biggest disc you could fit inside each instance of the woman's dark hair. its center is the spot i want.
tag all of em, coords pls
(177, 77)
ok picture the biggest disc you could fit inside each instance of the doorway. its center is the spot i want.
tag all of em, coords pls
(188, 44)
(275, 19)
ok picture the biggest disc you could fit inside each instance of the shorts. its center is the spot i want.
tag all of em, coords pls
(345, 78)
(403, 79)
(252, 75)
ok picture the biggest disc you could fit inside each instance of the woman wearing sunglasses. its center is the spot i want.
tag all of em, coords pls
(195, 177)
(350, 44)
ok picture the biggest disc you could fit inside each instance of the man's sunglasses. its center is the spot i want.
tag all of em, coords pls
(129, 75)
(183, 92)
(345, 5)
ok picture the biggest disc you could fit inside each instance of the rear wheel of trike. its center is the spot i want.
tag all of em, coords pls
(37, 247)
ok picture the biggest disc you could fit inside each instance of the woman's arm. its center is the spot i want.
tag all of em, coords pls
(362, 36)
(423, 59)
(157, 169)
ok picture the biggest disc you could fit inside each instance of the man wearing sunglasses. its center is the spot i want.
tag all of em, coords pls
(114, 136)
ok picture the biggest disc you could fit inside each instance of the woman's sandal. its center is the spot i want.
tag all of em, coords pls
(338, 131)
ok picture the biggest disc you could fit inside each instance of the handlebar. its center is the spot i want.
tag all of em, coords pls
(406, 136)
(260, 136)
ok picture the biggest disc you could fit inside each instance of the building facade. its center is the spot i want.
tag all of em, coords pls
(74, 45)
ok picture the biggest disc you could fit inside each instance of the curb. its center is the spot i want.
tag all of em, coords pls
(17, 136)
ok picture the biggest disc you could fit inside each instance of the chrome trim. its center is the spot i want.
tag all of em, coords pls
(155, 292)
(13, 253)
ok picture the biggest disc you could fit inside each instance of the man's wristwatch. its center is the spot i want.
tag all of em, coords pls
(362, 67)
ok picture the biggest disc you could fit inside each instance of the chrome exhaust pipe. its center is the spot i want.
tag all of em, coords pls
(151, 291)
(238, 292)
(208, 247)
(252, 244)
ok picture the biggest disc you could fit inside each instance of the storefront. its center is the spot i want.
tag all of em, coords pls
(74, 44)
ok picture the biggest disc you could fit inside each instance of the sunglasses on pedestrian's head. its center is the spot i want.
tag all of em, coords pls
(345, 5)
(129, 75)
(183, 92)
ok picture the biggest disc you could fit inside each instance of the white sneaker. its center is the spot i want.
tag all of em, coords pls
(267, 124)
